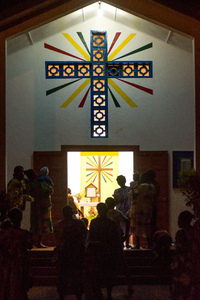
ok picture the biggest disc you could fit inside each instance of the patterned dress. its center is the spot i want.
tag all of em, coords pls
(123, 200)
(14, 282)
(41, 220)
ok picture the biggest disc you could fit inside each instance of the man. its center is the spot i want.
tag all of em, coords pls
(18, 174)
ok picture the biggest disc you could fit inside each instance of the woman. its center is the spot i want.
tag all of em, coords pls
(41, 221)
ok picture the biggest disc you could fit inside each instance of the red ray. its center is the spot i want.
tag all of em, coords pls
(61, 51)
(89, 164)
(94, 178)
(114, 41)
(108, 173)
(84, 98)
(138, 86)
(103, 160)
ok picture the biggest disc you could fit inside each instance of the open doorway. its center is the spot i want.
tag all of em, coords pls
(57, 162)
(92, 176)
(99, 169)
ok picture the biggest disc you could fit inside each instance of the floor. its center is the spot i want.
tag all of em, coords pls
(141, 292)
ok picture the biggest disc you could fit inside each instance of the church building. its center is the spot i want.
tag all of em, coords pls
(101, 78)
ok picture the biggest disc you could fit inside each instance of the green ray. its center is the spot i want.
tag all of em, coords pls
(83, 41)
(90, 173)
(136, 51)
(60, 87)
(114, 99)
(95, 160)
(104, 178)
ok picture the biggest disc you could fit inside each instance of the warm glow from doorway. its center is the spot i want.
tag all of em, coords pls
(74, 181)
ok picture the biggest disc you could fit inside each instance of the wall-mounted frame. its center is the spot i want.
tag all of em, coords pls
(182, 160)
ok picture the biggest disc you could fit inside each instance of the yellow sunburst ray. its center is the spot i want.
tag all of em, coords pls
(106, 161)
(92, 162)
(83, 53)
(121, 93)
(106, 176)
(121, 46)
(91, 177)
(79, 89)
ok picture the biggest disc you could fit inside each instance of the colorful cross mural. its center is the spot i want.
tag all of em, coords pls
(98, 69)
(99, 169)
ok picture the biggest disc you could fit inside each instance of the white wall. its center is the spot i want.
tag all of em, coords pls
(162, 121)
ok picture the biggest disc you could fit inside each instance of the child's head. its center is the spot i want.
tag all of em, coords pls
(185, 218)
(44, 171)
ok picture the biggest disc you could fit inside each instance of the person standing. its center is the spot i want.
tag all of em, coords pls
(183, 268)
(123, 201)
(143, 210)
(16, 189)
(71, 235)
(14, 243)
(104, 237)
(41, 220)
(120, 219)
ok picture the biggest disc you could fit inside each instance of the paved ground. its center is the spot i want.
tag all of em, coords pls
(141, 292)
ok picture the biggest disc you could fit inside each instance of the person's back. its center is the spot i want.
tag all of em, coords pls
(183, 264)
(14, 243)
(71, 234)
(122, 221)
(104, 231)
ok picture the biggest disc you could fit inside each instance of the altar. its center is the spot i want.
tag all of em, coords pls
(82, 205)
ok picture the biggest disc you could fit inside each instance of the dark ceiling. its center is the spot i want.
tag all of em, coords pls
(187, 7)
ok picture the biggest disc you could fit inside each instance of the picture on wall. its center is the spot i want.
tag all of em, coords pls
(182, 161)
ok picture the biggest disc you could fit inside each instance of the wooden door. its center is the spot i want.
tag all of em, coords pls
(56, 161)
(158, 161)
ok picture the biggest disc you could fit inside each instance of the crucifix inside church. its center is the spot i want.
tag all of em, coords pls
(99, 169)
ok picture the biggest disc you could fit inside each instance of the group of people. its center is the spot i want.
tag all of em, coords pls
(15, 241)
(89, 259)
(39, 187)
(138, 202)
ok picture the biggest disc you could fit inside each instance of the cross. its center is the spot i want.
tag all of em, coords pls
(99, 170)
(99, 70)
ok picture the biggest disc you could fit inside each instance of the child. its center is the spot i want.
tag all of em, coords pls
(44, 176)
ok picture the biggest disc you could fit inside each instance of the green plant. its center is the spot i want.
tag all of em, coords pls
(189, 184)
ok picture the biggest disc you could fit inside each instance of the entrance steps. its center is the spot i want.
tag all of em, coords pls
(145, 269)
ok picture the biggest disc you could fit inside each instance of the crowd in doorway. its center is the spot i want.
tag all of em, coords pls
(88, 259)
